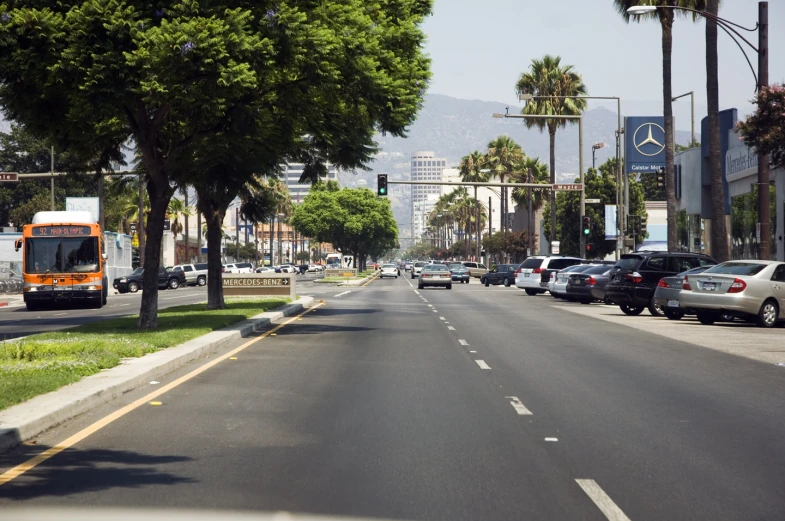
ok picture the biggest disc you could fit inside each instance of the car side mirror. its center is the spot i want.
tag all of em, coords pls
(17, 244)
(104, 256)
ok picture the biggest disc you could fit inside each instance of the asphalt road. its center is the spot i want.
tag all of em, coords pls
(475, 403)
(16, 321)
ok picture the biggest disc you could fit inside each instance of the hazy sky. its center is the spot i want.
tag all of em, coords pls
(480, 47)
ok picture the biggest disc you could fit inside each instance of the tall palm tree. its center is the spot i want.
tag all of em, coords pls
(504, 158)
(666, 18)
(471, 170)
(284, 208)
(539, 174)
(548, 77)
(175, 211)
(719, 231)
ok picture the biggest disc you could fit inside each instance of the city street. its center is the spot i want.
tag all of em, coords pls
(475, 403)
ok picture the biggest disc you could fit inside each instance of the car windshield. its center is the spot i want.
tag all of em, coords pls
(435, 267)
(419, 264)
(695, 271)
(389, 266)
(737, 268)
(531, 263)
(597, 270)
(628, 262)
(578, 268)
(457, 267)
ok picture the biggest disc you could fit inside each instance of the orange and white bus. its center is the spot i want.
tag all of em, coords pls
(63, 261)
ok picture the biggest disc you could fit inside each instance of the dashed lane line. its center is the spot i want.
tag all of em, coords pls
(463, 342)
(518, 406)
(602, 500)
(482, 364)
(342, 294)
(451, 328)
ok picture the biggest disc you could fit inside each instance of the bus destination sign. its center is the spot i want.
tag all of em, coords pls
(60, 231)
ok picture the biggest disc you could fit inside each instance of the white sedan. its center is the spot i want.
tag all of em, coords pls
(389, 270)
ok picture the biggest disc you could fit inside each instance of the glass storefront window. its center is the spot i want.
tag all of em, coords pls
(689, 236)
(744, 217)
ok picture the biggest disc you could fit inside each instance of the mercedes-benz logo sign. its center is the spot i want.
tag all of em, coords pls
(644, 141)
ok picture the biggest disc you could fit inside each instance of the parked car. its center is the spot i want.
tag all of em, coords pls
(560, 279)
(314, 268)
(750, 289)
(501, 274)
(460, 273)
(133, 282)
(588, 285)
(407, 266)
(389, 270)
(417, 268)
(238, 267)
(534, 273)
(195, 274)
(635, 276)
(265, 269)
(476, 269)
(435, 275)
(286, 268)
(668, 293)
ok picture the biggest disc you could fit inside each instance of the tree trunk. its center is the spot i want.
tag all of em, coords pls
(159, 194)
(187, 242)
(215, 293)
(719, 232)
(101, 213)
(140, 225)
(552, 139)
(198, 232)
(280, 242)
(666, 20)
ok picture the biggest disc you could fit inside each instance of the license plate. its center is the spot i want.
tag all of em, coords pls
(526, 275)
(709, 286)
(579, 282)
(673, 303)
(617, 278)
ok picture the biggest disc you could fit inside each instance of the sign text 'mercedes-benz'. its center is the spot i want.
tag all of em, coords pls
(255, 281)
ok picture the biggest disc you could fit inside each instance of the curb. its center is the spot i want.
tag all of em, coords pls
(362, 281)
(28, 419)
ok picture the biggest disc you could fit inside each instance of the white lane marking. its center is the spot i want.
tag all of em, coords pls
(342, 294)
(602, 500)
(430, 305)
(518, 406)
(450, 328)
(181, 296)
(442, 318)
(551, 439)
(463, 342)
(412, 285)
(424, 300)
(472, 351)
(59, 314)
(482, 364)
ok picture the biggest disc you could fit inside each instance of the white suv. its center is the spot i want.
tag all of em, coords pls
(417, 268)
(533, 273)
(240, 267)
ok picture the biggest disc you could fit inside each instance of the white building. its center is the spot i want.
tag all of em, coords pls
(298, 190)
(425, 166)
(421, 210)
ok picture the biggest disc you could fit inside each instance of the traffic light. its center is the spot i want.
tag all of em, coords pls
(586, 225)
(589, 250)
(381, 184)
(660, 178)
(642, 229)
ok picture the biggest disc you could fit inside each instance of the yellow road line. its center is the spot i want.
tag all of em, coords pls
(375, 276)
(106, 420)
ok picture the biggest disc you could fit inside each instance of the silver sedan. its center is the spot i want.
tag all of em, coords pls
(750, 289)
(435, 275)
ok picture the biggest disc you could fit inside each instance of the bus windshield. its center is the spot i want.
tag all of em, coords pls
(62, 255)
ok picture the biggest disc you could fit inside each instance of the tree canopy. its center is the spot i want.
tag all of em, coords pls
(764, 129)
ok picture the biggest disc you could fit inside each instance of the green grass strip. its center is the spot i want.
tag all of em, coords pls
(45, 362)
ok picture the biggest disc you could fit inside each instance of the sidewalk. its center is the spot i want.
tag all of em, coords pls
(11, 299)
(30, 418)
(735, 338)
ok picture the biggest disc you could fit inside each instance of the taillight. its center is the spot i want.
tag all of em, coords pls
(519, 270)
(635, 277)
(591, 280)
(738, 286)
(537, 270)
(662, 284)
(685, 285)
(553, 276)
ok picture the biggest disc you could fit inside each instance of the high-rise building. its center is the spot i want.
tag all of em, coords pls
(298, 190)
(425, 166)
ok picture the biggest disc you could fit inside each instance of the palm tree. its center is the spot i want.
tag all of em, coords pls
(539, 174)
(548, 77)
(284, 208)
(719, 231)
(665, 17)
(471, 170)
(504, 158)
(176, 209)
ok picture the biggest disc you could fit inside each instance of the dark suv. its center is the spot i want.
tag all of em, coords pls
(133, 282)
(633, 279)
(501, 274)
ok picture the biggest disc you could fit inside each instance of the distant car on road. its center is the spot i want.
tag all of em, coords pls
(417, 268)
(460, 273)
(238, 267)
(314, 268)
(750, 289)
(501, 274)
(264, 269)
(559, 288)
(435, 275)
(534, 273)
(389, 270)
(476, 269)
(195, 274)
(589, 285)
(133, 282)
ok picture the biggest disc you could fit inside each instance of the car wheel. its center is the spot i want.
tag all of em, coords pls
(420, 286)
(449, 286)
(201, 281)
(655, 309)
(174, 284)
(631, 310)
(673, 315)
(706, 317)
(531, 292)
(487, 284)
(506, 283)
(133, 287)
(767, 316)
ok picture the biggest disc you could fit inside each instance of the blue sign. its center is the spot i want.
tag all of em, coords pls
(644, 138)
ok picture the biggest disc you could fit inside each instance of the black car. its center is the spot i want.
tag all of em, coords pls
(634, 277)
(133, 282)
(589, 285)
(501, 274)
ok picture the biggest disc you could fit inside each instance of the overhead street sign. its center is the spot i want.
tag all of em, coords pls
(570, 187)
(592, 201)
(9, 176)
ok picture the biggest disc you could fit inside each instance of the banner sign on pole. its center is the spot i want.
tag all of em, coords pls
(611, 226)
(644, 138)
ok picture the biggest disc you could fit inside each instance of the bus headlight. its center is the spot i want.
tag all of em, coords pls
(31, 288)
(92, 288)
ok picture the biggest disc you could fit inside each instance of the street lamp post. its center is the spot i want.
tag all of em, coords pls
(691, 94)
(622, 188)
(594, 149)
(762, 80)
(579, 118)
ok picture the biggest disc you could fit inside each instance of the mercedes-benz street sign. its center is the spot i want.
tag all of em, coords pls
(644, 138)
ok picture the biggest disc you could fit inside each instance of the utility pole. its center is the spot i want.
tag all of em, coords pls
(237, 234)
(764, 217)
(52, 171)
(530, 224)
